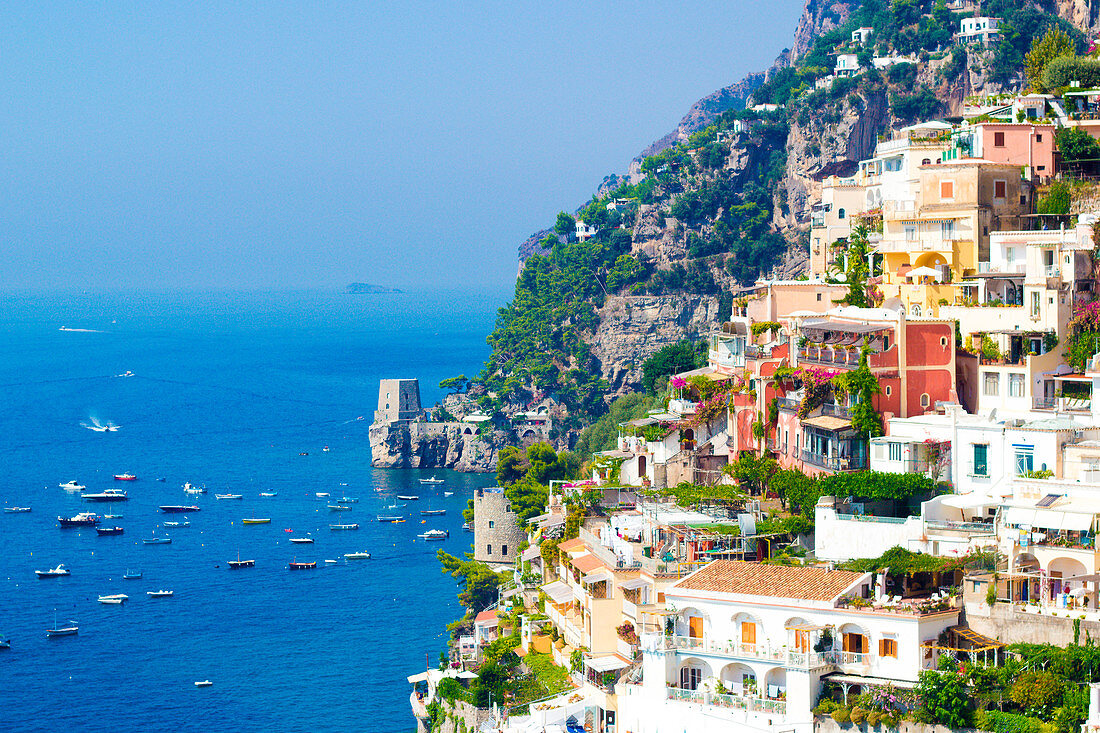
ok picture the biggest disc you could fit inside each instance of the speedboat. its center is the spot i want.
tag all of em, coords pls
(132, 575)
(53, 572)
(156, 540)
(322, 494)
(112, 516)
(357, 555)
(177, 509)
(338, 508)
(4, 643)
(468, 526)
(303, 565)
(108, 530)
(432, 480)
(408, 498)
(190, 488)
(332, 562)
(203, 683)
(433, 512)
(448, 493)
(435, 534)
(160, 593)
(125, 477)
(84, 519)
(228, 496)
(302, 540)
(16, 509)
(325, 449)
(177, 524)
(269, 493)
(108, 495)
(389, 518)
(256, 520)
(348, 500)
(162, 479)
(343, 526)
(72, 486)
(115, 599)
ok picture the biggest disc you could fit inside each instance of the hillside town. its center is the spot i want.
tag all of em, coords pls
(876, 502)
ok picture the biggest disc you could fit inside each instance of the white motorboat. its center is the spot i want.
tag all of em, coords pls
(57, 572)
(432, 480)
(203, 683)
(357, 555)
(302, 540)
(72, 486)
(16, 509)
(107, 495)
(269, 493)
(177, 524)
(338, 508)
(159, 593)
(322, 494)
(115, 599)
(448, 493)
(228, 496)
(435, 534)
(190, 488)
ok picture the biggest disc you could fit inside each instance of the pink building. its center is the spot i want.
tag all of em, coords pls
(1026, 144)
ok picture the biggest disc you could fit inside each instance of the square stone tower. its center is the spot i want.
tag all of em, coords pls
(398, 399)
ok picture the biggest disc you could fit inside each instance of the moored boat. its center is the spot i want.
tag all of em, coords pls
(238, 563)
(432, 480)
(190, 488)
(16, 509)
(57, 572)
(448, 493)
(4, 643)
(338, 508)
(58, 630)
(433, 512)
(468, 526)
(73, 485)
(160, 593)
(343, 526)
(390, 518)
(178, 509)
(228, 496)
(302, 540)
(108, 530)
(84, 519)
(203, 683)
(177, 524)
(132, 575)
(125, 477)
(115, 599)
(408, 497)
(303, 565)
(107, 495)
(435, 534)
(357, 555)
(321, 494)
(156, 540)
(256, 520)
(348, 500)
(269, 493)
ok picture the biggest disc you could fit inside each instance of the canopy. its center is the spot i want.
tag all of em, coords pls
(466, 675)
(596, 576)
(531, 553)
(414, 678)
(606, 664)
(633, 583)
(558, 591)
(923, 272)
(1049, 518)
(969, 501)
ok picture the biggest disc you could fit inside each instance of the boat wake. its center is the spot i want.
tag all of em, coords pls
(96, 426)
(80, 330)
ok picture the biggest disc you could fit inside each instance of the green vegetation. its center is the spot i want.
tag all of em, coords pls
(526, 476)
(672, 359)
(1059, 72)
(1057, 199)
(1055, 44)
(862, 384)
(602, 434)
(478, 581)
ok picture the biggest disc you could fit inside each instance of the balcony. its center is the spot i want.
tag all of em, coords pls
(786, 403)
(921, 245)
(835, 410)
(829, 355)
(732, 702)
(834, 463)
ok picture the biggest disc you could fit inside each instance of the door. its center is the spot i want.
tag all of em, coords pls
(748, 633)
(801, 640)
(695, 627)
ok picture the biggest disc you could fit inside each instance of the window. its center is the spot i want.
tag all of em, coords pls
(504, 550)
(1035, 305)
(925, 400)
(910, 232)
(926, 161)
(998, 139)
(895, 451)
(991, 384)
(819, 297)
(947, 189)
(888, 391)
(1025, 459)
(981, 459)
(488, 549)
(1039, 139)
(1015, 385)
(748, 632)
(943, 341)
(947, 229)
(888, 648)
(491, 524)
(690, 677)
(1000, 189)
(854, 642)
(840, 214)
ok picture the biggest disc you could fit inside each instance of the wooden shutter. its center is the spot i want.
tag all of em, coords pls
(748, 632)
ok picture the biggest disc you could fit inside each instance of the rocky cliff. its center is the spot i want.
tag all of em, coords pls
(433, 445)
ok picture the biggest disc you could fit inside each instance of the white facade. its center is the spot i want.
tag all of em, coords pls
(847, 64)
(979, 30)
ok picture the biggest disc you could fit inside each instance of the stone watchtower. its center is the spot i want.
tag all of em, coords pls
(497, 532)
(398, 399)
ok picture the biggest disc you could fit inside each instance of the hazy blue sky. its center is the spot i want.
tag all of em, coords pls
(298, 144)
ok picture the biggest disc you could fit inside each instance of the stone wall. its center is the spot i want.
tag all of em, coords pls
(496, 527)
(398, 399)
(433, 445)
(459, 717)
(1009, 624)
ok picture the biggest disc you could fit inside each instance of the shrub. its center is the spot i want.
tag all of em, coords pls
(858, 715)
(840, 715)
(1061, 71)
(874, 717)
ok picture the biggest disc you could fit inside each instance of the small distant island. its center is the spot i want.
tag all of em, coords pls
(368, 289)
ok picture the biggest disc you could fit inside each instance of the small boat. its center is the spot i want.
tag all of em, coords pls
(4, 643)
(357, 555)
(332, 562)
(112, 516)
(162, 479)
(108, 495)
(338, 508)
(408, 497)
(57, 630)
(102, 531)
(303, 453)
(160, 593)
(72, 486)
(343, 526)
(177, 524)
(432, 480)
(53, 572)
(238, 563)
(16, 509)
(322, 494)
(348, 500)
(256, 520)
(302, 565)
(132, 575)
(435, 534)
(433, 512)
(325, 449)
(115, 599)
(125, 477)
(302, 540)
(448, 493)
(190, 488)
(389, 518)
(156, 540)
(468, 526)
(84, 519)
(228, 496)
(178, 509)
(269, 493)
(203, 683)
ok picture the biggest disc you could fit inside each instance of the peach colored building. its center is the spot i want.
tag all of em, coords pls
(1026, 144)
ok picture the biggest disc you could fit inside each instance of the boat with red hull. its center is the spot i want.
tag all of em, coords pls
(303, 565)
(125, 477)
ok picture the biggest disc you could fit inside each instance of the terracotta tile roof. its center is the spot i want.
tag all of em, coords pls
(750, 578)
(485, 616)
(572, 545)
(586, 563)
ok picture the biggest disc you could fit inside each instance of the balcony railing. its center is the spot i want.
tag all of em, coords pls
(1044, 403)
(835, 410)
(826, 355)
(786, 403)
(834, 463)
(732, 702)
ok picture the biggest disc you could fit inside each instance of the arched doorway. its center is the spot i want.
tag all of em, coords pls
(692, 673)
(739, 679)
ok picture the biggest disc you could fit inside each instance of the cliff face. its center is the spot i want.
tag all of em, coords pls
(432, 445)
(706, 110)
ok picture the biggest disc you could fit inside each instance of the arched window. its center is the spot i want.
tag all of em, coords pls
(915, 310)
(925, 400)
(840, 213)
(926, 161)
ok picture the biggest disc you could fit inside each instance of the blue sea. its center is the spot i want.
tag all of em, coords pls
(229, 390)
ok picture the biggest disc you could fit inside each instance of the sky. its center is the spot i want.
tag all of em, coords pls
(290, 145)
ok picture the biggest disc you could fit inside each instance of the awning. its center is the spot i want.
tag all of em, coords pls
(558, 591)
(414, 678)
(531, 553)
(1050, 518)
(854, 679)
(969, 501)
(634, 583)
(828, 422)
(606, 664)
(597, 576)
(805, 627)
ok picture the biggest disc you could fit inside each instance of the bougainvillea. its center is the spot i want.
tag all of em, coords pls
(1084, 339)
(816, 382)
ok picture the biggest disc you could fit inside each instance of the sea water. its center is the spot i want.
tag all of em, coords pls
(239, 392)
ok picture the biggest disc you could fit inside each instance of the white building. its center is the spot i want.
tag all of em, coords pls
(584, 231)
(751, 645)
(981, 30)
(861, 36)
(847, 64)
